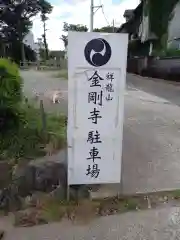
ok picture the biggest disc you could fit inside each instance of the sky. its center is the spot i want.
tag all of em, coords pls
(78, 12)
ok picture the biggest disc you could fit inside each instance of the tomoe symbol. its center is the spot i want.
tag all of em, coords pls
(97, 52)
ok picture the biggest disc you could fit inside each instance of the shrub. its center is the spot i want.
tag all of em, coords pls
(170, 52)
(10, 96)
(28, 141)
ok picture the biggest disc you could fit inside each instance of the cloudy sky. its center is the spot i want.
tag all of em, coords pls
(77, 12)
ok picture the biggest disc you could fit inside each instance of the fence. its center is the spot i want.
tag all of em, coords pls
(44, 65)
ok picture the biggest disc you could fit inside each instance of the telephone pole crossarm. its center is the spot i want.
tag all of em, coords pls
(92, 12)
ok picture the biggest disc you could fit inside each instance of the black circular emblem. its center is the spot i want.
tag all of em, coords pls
(97, 52)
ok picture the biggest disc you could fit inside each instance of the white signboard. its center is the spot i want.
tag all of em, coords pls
(96, 85)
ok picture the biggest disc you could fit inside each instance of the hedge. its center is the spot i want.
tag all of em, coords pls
(10, 95)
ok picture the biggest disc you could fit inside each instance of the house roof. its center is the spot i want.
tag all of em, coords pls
(128, 13)
(136, 13)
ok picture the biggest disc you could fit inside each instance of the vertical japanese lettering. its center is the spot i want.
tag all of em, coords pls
(95, 97)
(93, 154)
(93, 171)
(94, 137)
(109, 86)
(95, 80)
(95, 115)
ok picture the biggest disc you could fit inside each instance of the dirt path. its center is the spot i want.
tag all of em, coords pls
(44, 84)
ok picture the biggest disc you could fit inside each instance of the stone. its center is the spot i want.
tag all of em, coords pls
(5, 173)
(42, 175)
(10, 199)
(77, 192)
(2, 234)
(59, 193)
(48, 174)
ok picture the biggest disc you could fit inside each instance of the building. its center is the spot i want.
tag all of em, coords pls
(35, 46)
(174, 29)
(133, 22)
(29, 40)
(137, 25)
(128, 14)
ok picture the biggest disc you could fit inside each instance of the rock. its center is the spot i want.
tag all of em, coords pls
(5, 173)
(1, 234)
(59, 193)
(31, 201)
(24, 178)
(42, 174)
(48, 174)
(10, 199)
(77, 192)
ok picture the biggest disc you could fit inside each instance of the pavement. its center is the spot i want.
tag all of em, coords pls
(168, 90)
(151, 162)
(151, 143)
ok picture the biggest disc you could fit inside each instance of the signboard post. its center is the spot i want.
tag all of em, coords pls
(96, 86)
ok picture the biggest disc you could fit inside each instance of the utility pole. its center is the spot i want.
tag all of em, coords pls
(113, 26)
(91, 15)
(92, 12)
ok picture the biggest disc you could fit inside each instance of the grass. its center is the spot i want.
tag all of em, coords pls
(62, 74)
(49, 208)
(176, 194)
(33, 139)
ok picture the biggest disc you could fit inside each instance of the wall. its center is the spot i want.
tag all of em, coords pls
(174, 26)
(166, 68)
(29, 40)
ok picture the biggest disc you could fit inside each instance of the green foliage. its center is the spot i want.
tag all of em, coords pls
(107, 29)
(72, 27)
(16, 21)
(57, 54)
(10, 96)
(28, 141)
(171, 52)
(160, 13)
(46, 8)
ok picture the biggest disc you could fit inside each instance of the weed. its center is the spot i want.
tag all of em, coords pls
(62, 74)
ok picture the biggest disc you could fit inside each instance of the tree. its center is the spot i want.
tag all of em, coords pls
(46, 8)
(15, 19)
(107, 29)
(72, 27)
(65, 40)
(160, 13)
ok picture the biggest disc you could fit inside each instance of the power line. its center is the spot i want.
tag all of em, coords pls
(105, 15)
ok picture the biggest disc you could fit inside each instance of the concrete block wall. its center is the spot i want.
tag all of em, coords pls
(166, 68)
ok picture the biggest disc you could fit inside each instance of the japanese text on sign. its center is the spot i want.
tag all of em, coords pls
(102, 90)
